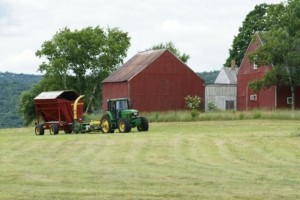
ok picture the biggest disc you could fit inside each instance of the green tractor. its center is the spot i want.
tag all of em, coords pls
(120, 116)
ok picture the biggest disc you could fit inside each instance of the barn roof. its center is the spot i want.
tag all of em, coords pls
(134, 66)
(227, 75)
(257, 36)
(231, 73)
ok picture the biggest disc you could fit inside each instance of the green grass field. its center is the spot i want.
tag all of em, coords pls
(243, 159)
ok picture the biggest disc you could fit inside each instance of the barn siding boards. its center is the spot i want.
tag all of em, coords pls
(112, 91)
(156, 81)
(283, 93)
(219, 94)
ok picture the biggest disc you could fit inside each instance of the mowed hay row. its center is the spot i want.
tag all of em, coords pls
(248, 159)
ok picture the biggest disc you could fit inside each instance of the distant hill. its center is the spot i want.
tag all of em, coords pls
(209, 77)
(12, 85)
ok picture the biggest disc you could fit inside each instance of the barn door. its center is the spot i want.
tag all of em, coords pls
(229, 105)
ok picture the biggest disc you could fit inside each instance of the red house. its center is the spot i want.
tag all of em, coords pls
(154, 81)
(272, 98)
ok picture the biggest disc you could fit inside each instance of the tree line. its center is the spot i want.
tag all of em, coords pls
(12, 85)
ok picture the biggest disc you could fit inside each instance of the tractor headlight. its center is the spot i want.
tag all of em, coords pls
(134, 115)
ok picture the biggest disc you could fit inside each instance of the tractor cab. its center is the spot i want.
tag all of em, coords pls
(116, 106)
(120, 116)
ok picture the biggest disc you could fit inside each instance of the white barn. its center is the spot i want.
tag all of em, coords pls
(223, 92)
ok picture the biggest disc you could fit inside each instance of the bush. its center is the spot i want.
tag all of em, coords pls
(212, 106)
(194, 114)
(192, 103)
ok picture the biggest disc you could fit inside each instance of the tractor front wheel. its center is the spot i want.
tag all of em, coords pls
(54, 129)
(144, 126)
(106, 124)
(124, 126)
(39, 129)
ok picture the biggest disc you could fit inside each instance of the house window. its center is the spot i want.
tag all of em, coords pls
(229, 105)
(254, 65)
(289, 100)
(253, 97)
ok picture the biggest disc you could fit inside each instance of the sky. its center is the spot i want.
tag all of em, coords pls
(203, 29)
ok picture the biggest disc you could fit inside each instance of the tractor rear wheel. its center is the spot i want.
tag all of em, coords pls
(54, 129)
(144, 124)
(106, 124)
(39, 129)
(124, 126)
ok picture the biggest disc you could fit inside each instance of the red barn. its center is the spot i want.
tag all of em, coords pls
(154, 81)
(272, 98)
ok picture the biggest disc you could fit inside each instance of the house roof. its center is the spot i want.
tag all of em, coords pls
(134, 66)
(227, 75)
(257, 36)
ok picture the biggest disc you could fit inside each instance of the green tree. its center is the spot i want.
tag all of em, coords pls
(209, 77)
(258, 19)
(171, 47)
(81, 59)
(26, 103)
(26, 107)
(77, 60)
(281, 49)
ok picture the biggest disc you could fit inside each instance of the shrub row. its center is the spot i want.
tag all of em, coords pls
(185, 115)
(222, 115)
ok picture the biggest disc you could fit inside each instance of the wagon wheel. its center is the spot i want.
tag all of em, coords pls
(144, 124)
(39, 129)
(124, 126)
(68, 129)
(54, 129)
(106, 124)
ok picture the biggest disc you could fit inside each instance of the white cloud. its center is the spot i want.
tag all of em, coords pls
(26, 56)
(203, 29)
(23, 62)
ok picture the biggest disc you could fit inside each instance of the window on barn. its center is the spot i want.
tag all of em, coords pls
(289, 100)
(254, 65)
(253, 97)
(229, 105)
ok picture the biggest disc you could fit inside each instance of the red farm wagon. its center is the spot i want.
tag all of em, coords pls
(58, 110)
